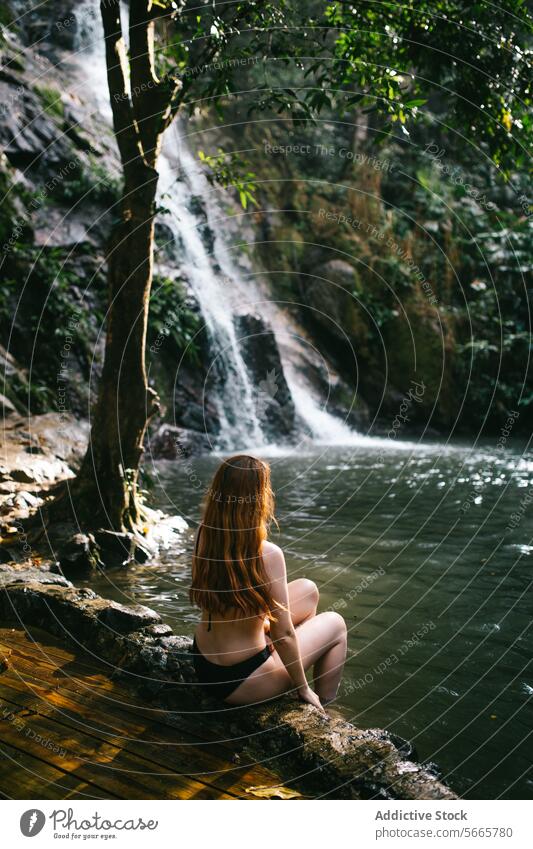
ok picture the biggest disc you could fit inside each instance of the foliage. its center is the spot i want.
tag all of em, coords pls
(468, 62)
(391, 58)
(41, 304)
(92, 182)
(223, 169)
(476, 56)
(173, 318)
(51, 100)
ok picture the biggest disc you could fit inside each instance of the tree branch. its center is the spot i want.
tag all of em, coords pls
(123, 119)
(151, 97)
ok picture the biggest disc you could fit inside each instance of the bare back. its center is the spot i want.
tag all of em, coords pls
(233, 638)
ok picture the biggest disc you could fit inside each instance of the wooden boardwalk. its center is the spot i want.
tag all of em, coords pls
(67, 731)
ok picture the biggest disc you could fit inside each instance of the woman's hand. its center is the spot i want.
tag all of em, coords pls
(306, 694)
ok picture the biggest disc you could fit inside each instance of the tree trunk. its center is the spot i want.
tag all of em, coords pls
(105, 491)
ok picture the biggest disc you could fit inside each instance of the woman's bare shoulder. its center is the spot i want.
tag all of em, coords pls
(273, 558)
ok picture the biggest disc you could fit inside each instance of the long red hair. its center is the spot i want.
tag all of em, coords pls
(228, 573)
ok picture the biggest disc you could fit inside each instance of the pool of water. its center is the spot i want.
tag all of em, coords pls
(427, 551)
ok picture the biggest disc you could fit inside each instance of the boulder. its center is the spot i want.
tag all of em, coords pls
(11, 576)
(78, 554)
(63, 435)
(119, 549)
(28, 136)
(172, 443)
(7, 406)
(125, 618)
(335, 314)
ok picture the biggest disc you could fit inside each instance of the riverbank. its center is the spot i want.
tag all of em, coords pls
(329, 757)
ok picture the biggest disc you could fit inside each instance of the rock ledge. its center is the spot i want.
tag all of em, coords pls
(335, 759)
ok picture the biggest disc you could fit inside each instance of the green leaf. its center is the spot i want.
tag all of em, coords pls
(412, 103)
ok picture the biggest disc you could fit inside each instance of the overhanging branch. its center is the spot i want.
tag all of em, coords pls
(151, 97)
(123, 118)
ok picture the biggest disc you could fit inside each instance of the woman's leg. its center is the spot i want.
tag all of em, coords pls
(322, 641)
(303, 601)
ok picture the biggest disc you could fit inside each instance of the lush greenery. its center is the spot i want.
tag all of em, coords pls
(441, 251)
(390, 138)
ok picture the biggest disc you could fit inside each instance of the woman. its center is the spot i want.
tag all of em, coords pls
(239, 581)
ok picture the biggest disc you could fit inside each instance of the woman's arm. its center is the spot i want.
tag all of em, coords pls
(282, 630)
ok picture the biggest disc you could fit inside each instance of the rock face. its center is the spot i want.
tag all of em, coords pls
(336, 758)
(173, 443)
(36, 453)
(334, 312)
(275, 407)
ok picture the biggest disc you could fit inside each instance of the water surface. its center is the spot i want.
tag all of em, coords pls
(427, 552)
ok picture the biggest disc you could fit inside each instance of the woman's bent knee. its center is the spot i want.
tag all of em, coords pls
(309, 591)
(304, 591)
(336, 622)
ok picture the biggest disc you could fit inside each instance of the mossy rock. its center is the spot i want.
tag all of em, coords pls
(418, 349)
(331, 294)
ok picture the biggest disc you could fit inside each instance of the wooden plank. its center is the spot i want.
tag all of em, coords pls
(154, 752)
(39, 674)
(159, 749)
(117, 698)
(74, 677)
(34, 642)
(26, 777)
(101, 763)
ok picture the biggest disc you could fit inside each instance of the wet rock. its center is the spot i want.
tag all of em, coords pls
(124, 619)
(165, 242)
(7, 406)
(7, 555)
(26, 499)
(22, 476)
(118, 549)
(10, 576)
(177, 644)
(274, 404)
(63, 435)
(159, 630)
(22, 504)
(338, 321)
(78, 554)
(192, 402)
(404, 747)
(14, 376)
(29, 137)
(72, 131)
(179, 655)
(43, 469)
(7, 487)
(50, 23)
(171, 443)
(197, 206)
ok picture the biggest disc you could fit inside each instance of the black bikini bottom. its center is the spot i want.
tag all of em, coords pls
(221, 681)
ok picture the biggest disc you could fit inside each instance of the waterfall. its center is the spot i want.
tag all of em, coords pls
(214, 276)
(180, 183)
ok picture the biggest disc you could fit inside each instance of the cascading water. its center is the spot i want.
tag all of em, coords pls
(236, 403)
(213, 275)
